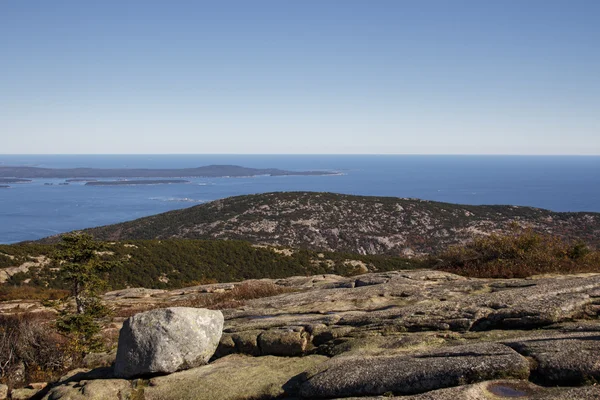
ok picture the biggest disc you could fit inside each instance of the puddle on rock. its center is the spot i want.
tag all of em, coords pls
(501, 390)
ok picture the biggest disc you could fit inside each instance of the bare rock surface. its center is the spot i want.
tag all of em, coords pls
(101, 389)
(404, 302)
(425, 335)
(234, 378)
(499, 389)
(167, 340)
(414, 373)
(23, 393)
(566, 360)
(7, 273)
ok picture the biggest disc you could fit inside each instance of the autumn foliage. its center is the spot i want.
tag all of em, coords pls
(520, 254)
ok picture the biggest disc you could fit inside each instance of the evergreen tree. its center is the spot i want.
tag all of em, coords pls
(83, 268)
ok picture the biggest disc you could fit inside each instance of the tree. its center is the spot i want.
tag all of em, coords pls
(81, 265)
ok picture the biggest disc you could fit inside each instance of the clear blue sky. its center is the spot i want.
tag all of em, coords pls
(307, 76)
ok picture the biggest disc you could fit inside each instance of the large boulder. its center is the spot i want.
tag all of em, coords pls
(167, 340)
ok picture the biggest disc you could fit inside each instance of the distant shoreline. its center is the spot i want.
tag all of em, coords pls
(14, 180)
(210, 171)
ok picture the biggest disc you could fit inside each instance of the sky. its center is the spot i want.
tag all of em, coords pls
(300, 77)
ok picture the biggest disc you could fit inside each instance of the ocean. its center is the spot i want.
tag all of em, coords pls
(30, 211)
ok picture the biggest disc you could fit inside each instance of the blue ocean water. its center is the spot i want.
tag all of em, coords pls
(34, 210)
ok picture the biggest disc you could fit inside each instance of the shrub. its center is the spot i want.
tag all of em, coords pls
(31, 349)
(235, 297)
(82, 330)
(518, 255)
(11, 292)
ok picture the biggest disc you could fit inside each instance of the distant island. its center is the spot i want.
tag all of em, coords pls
(81, 180)
(14, 180)
(210, 171)
(136, 182)
(4, 187)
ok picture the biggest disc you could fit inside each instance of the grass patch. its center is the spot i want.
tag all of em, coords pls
(236, 297)
(10, 292)
(233, 298)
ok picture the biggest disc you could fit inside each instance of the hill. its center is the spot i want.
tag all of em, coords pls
(354, 224)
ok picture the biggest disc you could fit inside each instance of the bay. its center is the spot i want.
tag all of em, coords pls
(30, 211)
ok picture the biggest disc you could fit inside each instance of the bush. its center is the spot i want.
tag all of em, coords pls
(82, 330)
(31, 349)
(11, 292)
(235, 297)
(521, 254)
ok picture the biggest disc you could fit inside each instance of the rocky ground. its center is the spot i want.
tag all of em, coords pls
(409, 334)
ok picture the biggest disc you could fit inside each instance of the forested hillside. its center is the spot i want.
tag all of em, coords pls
(177, 263)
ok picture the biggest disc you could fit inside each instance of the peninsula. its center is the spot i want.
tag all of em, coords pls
(136, 182)
(209, 171)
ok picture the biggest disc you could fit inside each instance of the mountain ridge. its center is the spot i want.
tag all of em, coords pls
(358, 224)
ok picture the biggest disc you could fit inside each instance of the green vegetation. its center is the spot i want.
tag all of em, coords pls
(16, 254)
(82, 268)
(168, 264)
(521, 254)
(177, 263)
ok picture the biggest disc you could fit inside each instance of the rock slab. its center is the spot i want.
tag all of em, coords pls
(167, 340)
(234, 377)
(100, 389)
(500, 389)
(565, 360)
(413, 373)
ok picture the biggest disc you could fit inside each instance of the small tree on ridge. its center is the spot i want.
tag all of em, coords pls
(82, 266)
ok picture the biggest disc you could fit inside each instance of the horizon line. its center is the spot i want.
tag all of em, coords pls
(305, 154)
